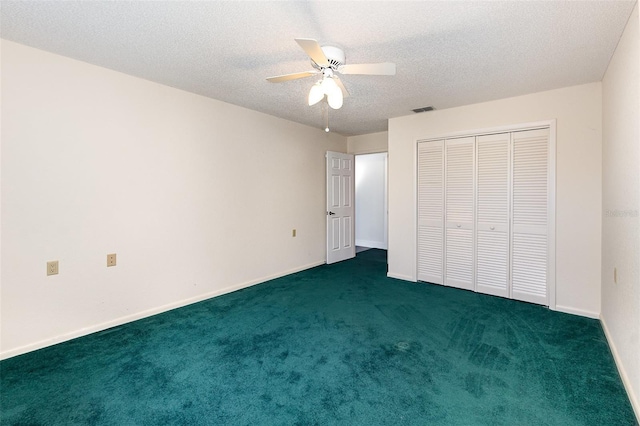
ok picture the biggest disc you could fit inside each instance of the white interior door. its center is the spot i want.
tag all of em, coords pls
(459, 214)
(492, 214)
(430, 211)
(486, 213)
(531, 216)
(340, 207)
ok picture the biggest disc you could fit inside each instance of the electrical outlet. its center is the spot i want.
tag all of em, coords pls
(293, 233)
(52, 267)
(615, 275)
(111, 259)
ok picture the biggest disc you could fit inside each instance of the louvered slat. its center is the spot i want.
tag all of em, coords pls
(493, 178)
(530, 264)
(492, 214)
(492, 263)
(459, 258)
(430, 254)
(530, 158)
(430, 211)
(459, 185)
(530, 216)
(459, 202)
(430, 181)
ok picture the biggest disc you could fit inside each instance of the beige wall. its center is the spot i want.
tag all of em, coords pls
(196, 197)
(578, 181)
(621, 207)
(368, 144)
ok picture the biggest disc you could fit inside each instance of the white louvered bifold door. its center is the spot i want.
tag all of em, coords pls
(430, 211)
(492, 214)
(459, 189)
(530, 216)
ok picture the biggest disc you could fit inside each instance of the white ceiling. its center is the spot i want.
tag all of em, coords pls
(447, 53)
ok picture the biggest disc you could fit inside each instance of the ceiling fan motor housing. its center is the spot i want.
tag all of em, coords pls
(334, 55)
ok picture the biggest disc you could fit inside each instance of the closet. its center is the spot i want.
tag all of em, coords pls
(485, 213)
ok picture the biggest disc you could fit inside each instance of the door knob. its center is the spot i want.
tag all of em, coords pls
(458, 225)
(492, 227)
(331, 213)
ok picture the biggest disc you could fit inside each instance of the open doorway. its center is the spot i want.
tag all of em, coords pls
(371, 201)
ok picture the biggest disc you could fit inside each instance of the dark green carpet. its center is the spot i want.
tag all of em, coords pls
(337, 344)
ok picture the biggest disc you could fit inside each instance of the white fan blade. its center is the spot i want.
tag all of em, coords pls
(313, 49)
(384, 68)
(294, 76)
(345, 93)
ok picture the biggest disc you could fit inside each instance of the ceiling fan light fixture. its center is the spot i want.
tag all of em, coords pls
(335, 100)
(316, 94)
(329, 86)
(333, 92)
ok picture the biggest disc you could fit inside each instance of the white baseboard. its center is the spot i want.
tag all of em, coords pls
(575, 311)
(371, 244)
(401, 277)
(147, 313)
(635, 402)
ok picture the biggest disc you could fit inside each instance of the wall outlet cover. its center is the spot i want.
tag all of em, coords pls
(52, 267)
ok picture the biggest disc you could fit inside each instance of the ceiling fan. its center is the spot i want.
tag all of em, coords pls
(327, 61)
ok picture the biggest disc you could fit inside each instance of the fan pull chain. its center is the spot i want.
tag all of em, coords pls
(326, 110)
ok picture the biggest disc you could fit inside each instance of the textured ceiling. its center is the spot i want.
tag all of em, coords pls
(447, 53)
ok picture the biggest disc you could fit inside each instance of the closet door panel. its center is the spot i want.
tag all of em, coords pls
(459, 255)
(530, 216)
(459, 212)
(492, 214)
(492, 263)
(430, 211)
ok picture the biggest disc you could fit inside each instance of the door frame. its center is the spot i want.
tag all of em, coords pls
(386, 193)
